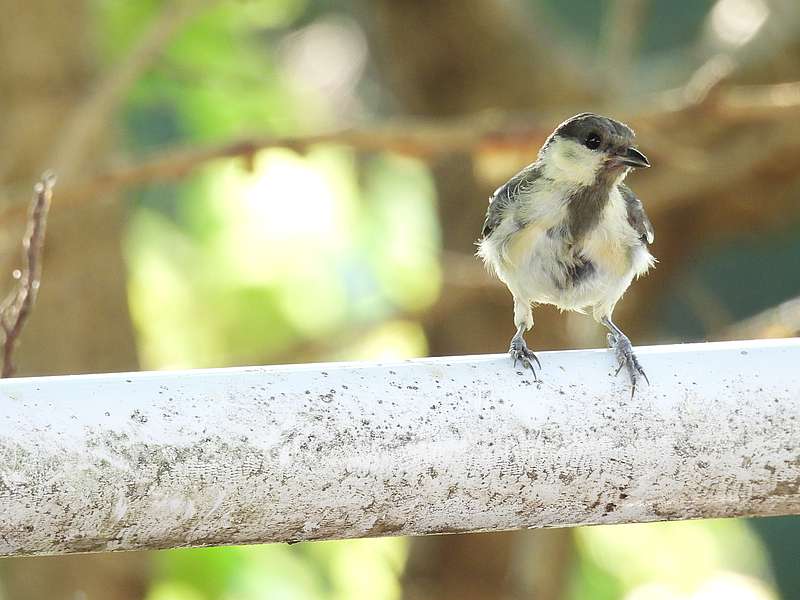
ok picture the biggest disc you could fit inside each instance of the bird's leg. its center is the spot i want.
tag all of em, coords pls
(519, 350)
(621, 345)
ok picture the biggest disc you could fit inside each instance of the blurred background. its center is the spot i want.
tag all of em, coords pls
(280, 181)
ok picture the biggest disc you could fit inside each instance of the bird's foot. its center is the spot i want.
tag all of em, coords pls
(627, 359)
(519, 351)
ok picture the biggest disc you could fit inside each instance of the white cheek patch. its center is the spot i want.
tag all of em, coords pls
(571, 162)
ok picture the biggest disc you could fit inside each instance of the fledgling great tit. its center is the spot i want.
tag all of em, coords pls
(566, 231)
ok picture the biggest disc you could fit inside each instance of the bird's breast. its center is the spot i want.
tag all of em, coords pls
(551, 266)
(544, 252)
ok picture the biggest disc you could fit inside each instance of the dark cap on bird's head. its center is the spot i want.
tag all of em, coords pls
(603, 135)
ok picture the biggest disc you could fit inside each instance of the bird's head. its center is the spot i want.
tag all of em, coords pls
(588, 149)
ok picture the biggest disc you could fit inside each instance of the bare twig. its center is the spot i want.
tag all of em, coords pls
(413, 137)
(93, 115)
(18, 304)
(482, 133)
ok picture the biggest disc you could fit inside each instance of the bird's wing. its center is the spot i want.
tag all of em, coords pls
(636, 215)
(506, 195)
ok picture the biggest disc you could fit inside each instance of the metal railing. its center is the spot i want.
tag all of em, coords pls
(290, 453)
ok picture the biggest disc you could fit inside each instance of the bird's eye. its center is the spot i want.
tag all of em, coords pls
(592, 141)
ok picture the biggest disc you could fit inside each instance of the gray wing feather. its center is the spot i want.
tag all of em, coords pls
(506, 195)
(636, 215)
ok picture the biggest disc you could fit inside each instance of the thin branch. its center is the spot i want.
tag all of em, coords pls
(17, 306)
(94, 114)
(482, 133)
(412, 137)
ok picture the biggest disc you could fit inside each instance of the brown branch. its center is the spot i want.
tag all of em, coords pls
(421, 138)
(486, 133)
(18, 304)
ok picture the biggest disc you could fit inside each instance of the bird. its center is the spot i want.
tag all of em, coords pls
(567, 231)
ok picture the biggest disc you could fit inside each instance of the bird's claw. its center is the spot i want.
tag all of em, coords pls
(519, 351)
(627, 359)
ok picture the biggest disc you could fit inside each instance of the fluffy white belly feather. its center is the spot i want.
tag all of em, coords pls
(531, 262)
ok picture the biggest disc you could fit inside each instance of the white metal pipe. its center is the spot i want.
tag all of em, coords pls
(265, 454)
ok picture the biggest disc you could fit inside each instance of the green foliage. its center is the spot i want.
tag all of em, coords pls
(678, 559)
(345, 570)
(292, 250)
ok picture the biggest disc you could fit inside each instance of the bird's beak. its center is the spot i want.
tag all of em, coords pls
(634, 158)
